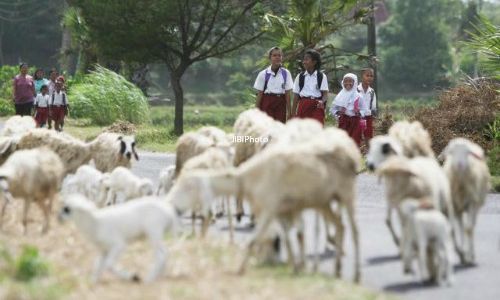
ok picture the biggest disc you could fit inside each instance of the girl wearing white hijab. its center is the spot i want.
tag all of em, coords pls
(348, 109)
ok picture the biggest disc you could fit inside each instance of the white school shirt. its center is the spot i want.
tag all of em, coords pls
(51, 86)
(42, 100)
(310, 88)
(276, 83)
(58, 98)
(366, 98)
(349, 108)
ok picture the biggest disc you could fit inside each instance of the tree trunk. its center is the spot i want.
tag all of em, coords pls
(175, 81)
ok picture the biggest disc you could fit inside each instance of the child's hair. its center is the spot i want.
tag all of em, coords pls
(364, 70)
(314, 56)
(22, 64)
(53, 70)
(270, 52)
(44, 86)
(35, 76)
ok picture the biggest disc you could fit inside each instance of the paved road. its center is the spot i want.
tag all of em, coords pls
(381, 268)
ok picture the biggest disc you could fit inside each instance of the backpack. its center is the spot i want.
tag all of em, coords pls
(302, 77)
(268, 75)
(64, 102)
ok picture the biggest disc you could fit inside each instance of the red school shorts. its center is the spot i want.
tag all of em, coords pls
(57, 113)
(42, 115)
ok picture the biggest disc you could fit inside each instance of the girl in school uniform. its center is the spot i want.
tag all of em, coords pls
(42, 102)
(349, 109)
(310, 89)
(274, 85)
(369, 98)
(58, 106)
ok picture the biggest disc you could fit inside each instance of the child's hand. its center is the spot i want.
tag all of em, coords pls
(320, 104)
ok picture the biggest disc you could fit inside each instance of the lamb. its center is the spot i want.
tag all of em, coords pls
(426, 228)
(420, 177)
(110, 229)
(414, 139)
(89, 182)
(35, 176)
(469, 176)
(110, 150)
(282, 181)
(17, 125)
(123, 181)
(166, 180)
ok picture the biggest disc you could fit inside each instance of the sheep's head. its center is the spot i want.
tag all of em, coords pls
(381, 148)
(127, 147)
(458, 152)
(73, 206)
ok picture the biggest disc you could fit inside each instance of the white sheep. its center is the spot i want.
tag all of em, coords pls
(122, 181)
(281, 182)
(110, 150)
(7, 146)
(17, 125)
(189, 145)
(72, 151)
(166, 180)
(466, 167)
(35, 176)
(414, 139)
(89, 182)
(408, 178)
(428, 230)
(110, 229)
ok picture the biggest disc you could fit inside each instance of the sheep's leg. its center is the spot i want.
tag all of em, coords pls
(316, 246)
(469, 232)
(193, 225)
(98, 268)
(422, 256)
(339, 238)
(230, 221)
(458, 235)
(262, 226)
(108, 260)
(160, 258)
(4, 207)
(302, 250)
(388, 221)
(355, 239)
(27, 203)
(46, 208)
(288, 245)
(239, 207)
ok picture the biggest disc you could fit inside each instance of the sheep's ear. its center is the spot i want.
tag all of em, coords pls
(134, 152)
(120, 137)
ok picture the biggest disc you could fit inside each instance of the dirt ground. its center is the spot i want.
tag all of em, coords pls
(196, 269)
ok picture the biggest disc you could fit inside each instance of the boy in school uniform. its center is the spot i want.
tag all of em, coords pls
(42, 102)
(310, 89)
(369, 98)
(58, 106)
(273, 85)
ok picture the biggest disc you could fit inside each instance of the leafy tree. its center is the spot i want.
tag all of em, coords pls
(486, 41)
(178, 33)
(416, 44)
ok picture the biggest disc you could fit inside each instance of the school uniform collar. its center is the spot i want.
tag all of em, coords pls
(361, 90)
(314, 74)
(270, 71)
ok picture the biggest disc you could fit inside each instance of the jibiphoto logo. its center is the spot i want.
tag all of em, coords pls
(249, 139)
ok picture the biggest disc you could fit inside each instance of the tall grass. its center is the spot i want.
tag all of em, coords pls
(105, 96)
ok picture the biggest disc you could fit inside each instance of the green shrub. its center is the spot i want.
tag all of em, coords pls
(105, 97)
(30, 265)
(6, 108)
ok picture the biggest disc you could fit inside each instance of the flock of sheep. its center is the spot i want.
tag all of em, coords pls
(281, 171)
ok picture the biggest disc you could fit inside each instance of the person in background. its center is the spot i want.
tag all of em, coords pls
(349, 109)
(369, 98)
(42, 102)
(274, 85)
(58, 106)
(39, 80)
(23, 91)
(53, 74)
(310, 89)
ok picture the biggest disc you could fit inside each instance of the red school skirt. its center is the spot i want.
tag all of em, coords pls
(308, 108)
(351, 125)
(42, 115)
(274, 106)
(57, 113)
